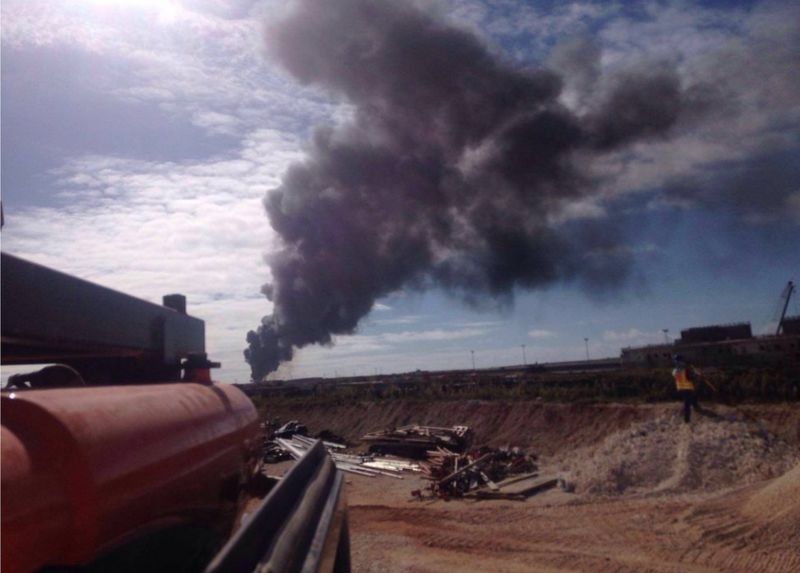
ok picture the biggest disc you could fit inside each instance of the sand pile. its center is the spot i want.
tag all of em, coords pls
(664, 454)
(778, 504)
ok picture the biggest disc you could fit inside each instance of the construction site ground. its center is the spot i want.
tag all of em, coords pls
(651, 494)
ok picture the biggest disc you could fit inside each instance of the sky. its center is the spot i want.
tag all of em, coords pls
(140, 138)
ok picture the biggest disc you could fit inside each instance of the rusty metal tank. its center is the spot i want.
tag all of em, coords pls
(85, 470)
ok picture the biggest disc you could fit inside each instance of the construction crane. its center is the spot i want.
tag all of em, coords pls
(785, 295)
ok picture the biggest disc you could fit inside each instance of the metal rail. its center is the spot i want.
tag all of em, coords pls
(301, 526)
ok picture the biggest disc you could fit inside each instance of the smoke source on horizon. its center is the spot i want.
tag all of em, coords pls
(455, 170)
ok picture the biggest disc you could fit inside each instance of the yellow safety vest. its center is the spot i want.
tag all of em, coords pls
(682, 381)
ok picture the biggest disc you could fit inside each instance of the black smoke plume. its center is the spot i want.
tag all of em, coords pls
(453, 172)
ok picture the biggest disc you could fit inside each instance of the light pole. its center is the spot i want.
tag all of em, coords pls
(472, 352)
(666, 338)
(586, 341)
(524, 359)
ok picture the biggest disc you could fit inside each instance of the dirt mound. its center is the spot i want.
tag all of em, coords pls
(783, 420)
(666, 455)
(544, 428)
(778, 504)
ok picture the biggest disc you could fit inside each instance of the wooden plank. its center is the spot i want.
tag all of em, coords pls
(516, 478)
(455, 474)
(518, 490)
(492, 486)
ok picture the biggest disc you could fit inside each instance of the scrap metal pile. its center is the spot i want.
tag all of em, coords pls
(272, 452)
(452, 468)
(366, 465)
(289, 429)
(478, 472)
(416, 441)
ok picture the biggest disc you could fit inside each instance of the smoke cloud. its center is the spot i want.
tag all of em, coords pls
(455, 171)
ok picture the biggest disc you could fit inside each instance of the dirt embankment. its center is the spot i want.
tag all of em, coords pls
(545, 428)
(666, 455)
(653, 494)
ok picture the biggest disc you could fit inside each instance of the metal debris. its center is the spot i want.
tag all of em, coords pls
(289, 429)
(455, 475)
(415, 441)
(482, 473)
(273, 452)
(366, 465)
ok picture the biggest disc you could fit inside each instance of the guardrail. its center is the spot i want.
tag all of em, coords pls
(300, 526)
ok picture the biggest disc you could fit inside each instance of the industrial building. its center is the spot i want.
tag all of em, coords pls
(723, 345)
(727, 344)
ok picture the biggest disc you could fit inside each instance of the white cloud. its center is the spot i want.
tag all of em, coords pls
(367, 343)
(541, 333)
(217, 123)
(480, 324)
(408, 319)
(198, 64)
(633, 337)
(390, 352)
(435, 335)
(533, 27)
(588, 208)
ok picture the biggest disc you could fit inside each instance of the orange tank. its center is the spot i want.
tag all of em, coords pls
(87, 469)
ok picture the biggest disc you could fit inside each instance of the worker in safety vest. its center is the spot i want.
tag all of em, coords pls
(686, 379)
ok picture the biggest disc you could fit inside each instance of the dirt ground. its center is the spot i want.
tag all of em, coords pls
(556, 531)
(652, 494)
